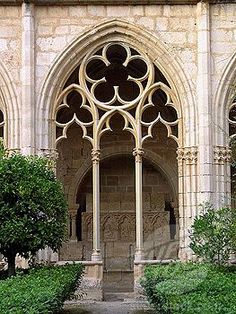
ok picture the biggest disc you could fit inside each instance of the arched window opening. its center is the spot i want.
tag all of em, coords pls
(2, 122)
(116, 99)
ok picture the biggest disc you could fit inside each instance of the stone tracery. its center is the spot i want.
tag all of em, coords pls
(134, 122)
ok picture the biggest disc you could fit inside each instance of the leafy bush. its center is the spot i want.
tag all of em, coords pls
(191, 288)
(43, 290)
(33, 210)
(213, 234)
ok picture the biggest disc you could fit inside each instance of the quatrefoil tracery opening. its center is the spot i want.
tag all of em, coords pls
(116, 79)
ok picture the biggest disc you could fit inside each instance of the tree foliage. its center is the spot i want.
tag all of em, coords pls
(32, 206)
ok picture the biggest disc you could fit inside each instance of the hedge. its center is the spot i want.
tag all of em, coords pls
(191, 288)
(42, 290)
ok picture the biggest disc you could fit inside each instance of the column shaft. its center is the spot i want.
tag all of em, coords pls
(205, 124)
(96, 255)
(139, 254)
(28, 80)
(73, 226)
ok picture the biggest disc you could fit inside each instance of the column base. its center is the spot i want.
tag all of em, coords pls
(139, 256)
(96, 256)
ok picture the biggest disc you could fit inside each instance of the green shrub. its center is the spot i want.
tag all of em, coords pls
(213, 234)
(42, 290)
(191, 288)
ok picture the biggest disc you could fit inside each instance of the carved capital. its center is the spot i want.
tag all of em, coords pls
(73, 214)
(50, 153)
(95, 153)
(187, 154)
(138, 153)
(222, 154)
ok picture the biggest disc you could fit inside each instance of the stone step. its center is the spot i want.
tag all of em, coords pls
(118, 296)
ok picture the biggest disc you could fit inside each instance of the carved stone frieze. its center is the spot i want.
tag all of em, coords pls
(121, 226)
(222, 154)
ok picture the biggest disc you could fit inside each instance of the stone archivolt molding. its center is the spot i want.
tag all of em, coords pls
(222, 154)
(9, 107)
(102, 111)
(187, 154)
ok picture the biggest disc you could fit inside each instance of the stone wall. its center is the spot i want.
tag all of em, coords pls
(57, 27)
(10, 42)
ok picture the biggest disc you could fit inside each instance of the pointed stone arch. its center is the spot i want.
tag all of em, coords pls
(154, 159)
(223, 101)
(10, 109)
(180, 83)
(117, 30)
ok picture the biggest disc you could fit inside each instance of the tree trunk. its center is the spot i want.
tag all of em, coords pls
(11, 259)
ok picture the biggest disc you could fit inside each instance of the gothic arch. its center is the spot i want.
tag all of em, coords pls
(107, 31)
(223, 100)
(9, 107)
(158, 162)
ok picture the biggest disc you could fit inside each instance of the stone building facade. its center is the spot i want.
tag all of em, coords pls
(134, 101)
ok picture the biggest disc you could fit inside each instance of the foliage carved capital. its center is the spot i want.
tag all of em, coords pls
(95, 153)
(138, 153)
(222, 154)
(187, 154)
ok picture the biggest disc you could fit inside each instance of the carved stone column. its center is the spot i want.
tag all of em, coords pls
(139, 253)
(222, 158)
(188, 196)
(96, 255)
(73, 217)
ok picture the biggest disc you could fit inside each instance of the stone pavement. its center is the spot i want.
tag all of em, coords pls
(114, 304)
